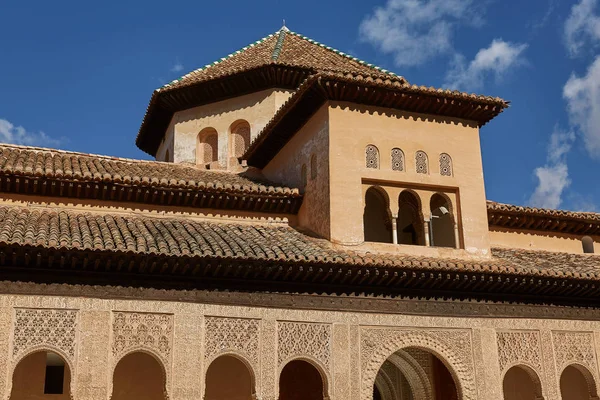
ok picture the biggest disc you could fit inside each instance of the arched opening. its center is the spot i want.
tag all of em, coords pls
(414, 373)
(41, 375)
(300, 380)
(445, 165)
(397, 159)
(376, 217)
(521, 383)
(372, 156)
(138, 376)
(229, 378)
(577, 383)
(207, 150)
(442, 223)
(410, 219)
(588, 244)
(422, 162)
(240, 138)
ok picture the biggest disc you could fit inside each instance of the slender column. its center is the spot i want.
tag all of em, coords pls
(426, 230)
(456, 237)
(394, 230)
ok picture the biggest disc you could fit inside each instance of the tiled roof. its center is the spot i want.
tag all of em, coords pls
(268, 251)
(282, 47)
(543, 219)
(30, 170)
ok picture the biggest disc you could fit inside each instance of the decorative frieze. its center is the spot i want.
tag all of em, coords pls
(232, 335)
(304, 340)
(142, 331)
(519, 347)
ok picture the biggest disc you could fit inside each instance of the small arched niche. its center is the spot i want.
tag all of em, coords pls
(410, 219)
(239, 138)
(522, 383)
(442, 222)
(301, 380)
(588, 244)
(577, 383)
(138, 376)
(207, 150)
(372, 156)
(229, 378)
(376, 216)
(43, 374)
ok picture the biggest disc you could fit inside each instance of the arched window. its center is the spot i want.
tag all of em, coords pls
(240, 138)
(377, 221)
(228, 378)
(303, 179)
(39, 374)
(577, 383)
(409, 224)
(397, 159)
(372, 156)
(422, 162)
(138, 376)
(313, 166)
(521, 382)
(445, 165)
(207, 149)
(588, 244)
(300, 380)
(441, 228)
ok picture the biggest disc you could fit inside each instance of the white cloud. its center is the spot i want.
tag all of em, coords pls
(495, 60)
(416, 31)
(553, 178)
(582, 26)
(10, 133)
(583, 105)
(178, 67)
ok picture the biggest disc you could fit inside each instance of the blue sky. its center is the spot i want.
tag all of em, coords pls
(79, 75)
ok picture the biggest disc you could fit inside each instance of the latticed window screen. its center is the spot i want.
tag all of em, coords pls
(422, 162)
(209, 148)
(313, 166)
(372, 156)
(445, 165)
(397, 160)
(241, 139)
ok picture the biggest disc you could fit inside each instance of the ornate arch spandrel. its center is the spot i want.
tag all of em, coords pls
(452, 347)
(44, 329)
(150, 333)
(577, 349)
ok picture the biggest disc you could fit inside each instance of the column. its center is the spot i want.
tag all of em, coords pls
(6, 327)
(456, 237)
(355, 373)
(269, 361)
(340, 390)
(487, 364)
(92, 365)
(394, 229)
(426, 230)
(187, 355)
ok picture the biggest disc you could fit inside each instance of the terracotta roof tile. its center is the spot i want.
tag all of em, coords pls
(54, 165)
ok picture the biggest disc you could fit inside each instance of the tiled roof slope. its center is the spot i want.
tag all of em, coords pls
(53, 238)
(283, 47)
(542, 219)
(30, 170)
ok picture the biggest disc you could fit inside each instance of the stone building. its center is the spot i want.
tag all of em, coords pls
(314, 227)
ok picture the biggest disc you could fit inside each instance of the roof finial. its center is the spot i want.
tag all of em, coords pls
(284, 28)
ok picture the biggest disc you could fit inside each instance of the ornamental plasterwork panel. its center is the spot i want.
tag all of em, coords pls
(38, 329)
(575, 348)
(232, 335)
(519, 347)
(453, 347)
(309, 340)
(136, 331)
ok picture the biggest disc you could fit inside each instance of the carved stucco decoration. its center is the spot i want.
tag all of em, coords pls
(239, 336)
(519, 347)
(452, 347)
(44, 330)
(151, 333)
(304, 340)
(577, 349)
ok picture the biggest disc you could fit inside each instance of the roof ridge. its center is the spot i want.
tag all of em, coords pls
(279, 44)
(259, 41)
(348, 56)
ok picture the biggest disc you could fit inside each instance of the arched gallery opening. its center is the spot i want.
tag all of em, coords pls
(300, 380)
(229, 378)
(414, 373)
(376, 220)
(577, 383)
(41, 375)
(521, 383)
(138, 376)
(442, 222)
(410, 220)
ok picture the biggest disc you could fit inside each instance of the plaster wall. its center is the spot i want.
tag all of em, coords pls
(532, 240)
(255, 108)
(346, 347)
(286, 168)
(353, 127)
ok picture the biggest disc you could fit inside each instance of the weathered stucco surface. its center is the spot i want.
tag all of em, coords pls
(536, 240)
